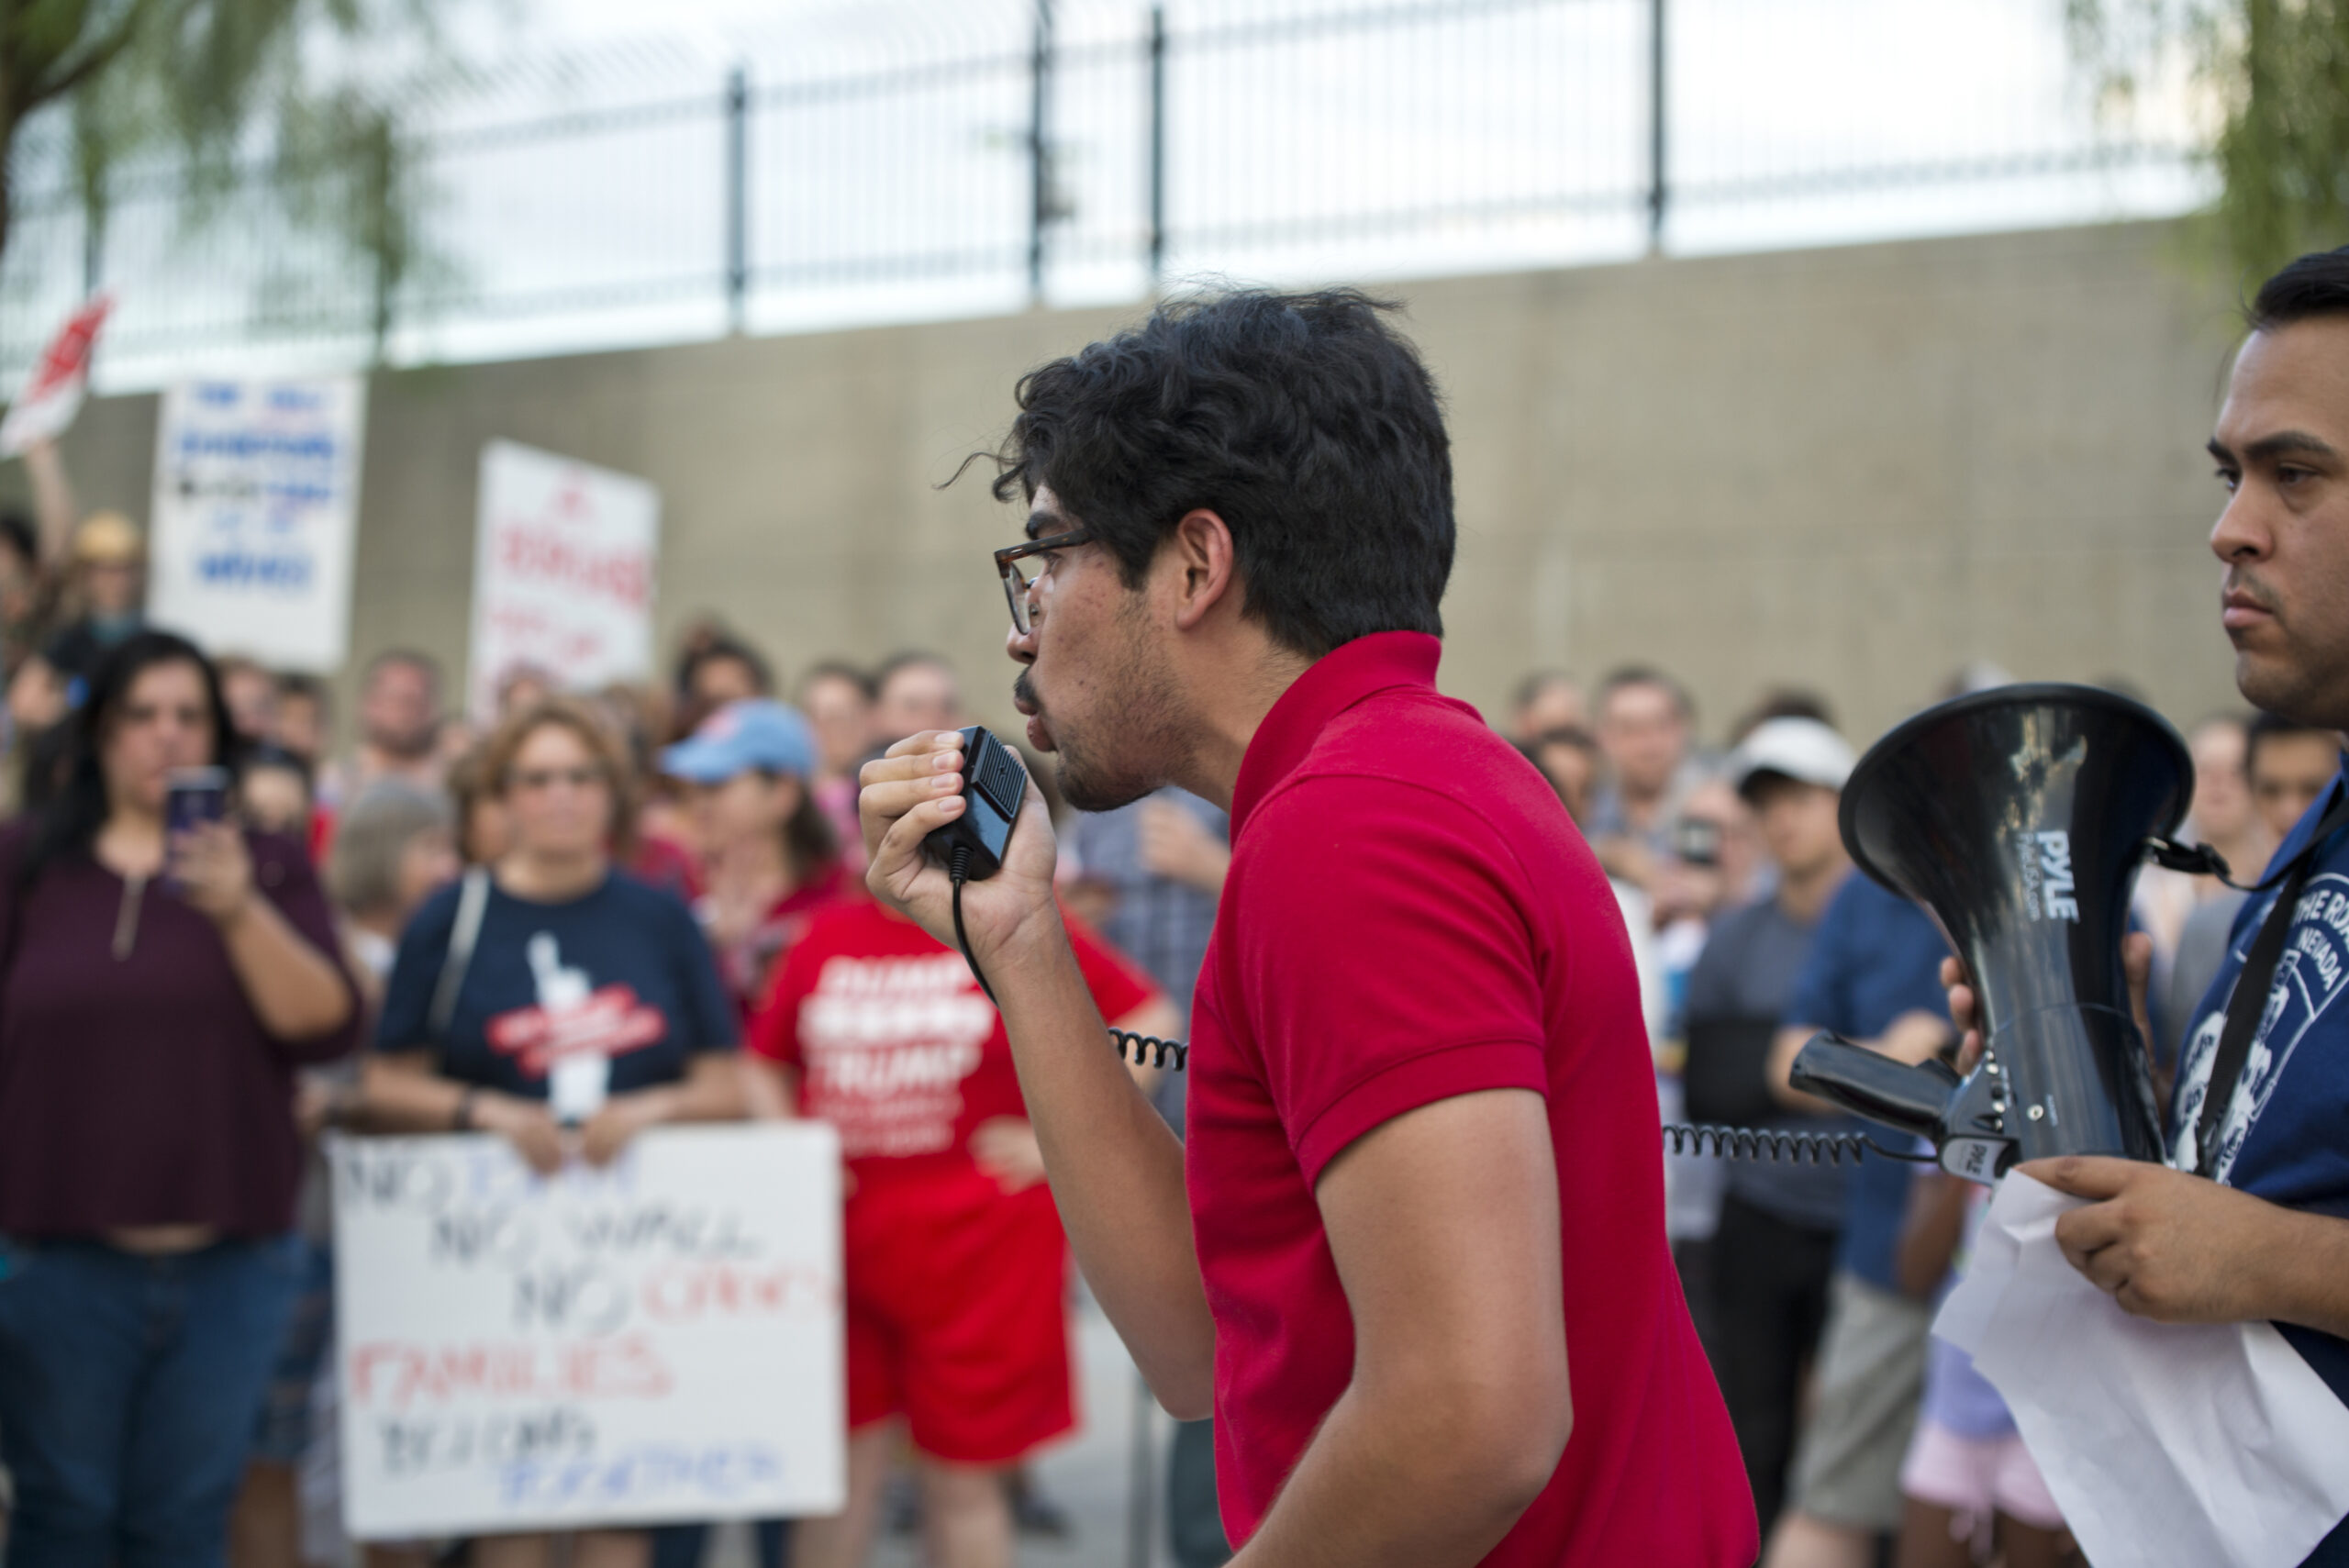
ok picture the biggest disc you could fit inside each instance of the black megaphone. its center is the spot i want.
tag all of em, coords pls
(2017, 817)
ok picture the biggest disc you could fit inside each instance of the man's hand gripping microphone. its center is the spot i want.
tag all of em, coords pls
(972, 845)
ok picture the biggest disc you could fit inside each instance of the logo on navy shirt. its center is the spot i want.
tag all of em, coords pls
(574, 1016)
(2309, 978)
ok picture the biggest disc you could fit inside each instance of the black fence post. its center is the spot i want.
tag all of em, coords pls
(1040, 153)
(1157, 146)
(1658, 191)
(737, 199)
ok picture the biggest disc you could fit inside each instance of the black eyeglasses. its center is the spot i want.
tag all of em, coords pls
(1017, 582)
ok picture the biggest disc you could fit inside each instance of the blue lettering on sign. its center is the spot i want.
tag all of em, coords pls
(232, 567)
(293, 398)
(648, 1471)
(219, 394)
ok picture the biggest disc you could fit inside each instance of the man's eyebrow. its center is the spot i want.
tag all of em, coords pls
(2284, 443)
(1043, 521)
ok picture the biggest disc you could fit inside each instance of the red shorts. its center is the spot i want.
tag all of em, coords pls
(958, 1316)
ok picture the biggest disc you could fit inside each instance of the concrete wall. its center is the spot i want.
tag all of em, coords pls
(1852, 469)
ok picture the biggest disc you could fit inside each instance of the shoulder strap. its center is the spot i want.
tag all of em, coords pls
(2248, 1002)
(473, 898)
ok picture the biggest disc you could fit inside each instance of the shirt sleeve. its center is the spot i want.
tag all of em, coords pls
(1118, 984)
(1387, 969)
(283, 872)
(709, 1017)
(405, 1022)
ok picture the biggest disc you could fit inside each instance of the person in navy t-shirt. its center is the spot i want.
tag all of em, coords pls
(1872, 976)
(2267, 1235)
(587, 1009)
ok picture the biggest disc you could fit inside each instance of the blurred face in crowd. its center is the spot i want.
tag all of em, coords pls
(2222, 806)
(2288, 770)
(111, 587)
(917, 697)
(722, 680)
(2282, 450)
(163, 722)
(1573, 772)
(1557, 705)
(751, 805)
(1645, 736)
(1797, 823)
(275, 800)
(836, 710)
(251, 695)
(428, 863)
(301, 725)
(558, 799)
(400, 710)
(521, 690)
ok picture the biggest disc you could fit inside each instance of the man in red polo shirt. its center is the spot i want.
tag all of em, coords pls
(1413, 1258)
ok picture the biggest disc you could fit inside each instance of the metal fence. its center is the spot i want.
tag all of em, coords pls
(927, 160)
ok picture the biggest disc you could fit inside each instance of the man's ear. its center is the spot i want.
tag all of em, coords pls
(1205, 572)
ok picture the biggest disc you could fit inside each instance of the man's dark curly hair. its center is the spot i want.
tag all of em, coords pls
(1304, 421)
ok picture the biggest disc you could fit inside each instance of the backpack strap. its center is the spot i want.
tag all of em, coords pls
(473, 900)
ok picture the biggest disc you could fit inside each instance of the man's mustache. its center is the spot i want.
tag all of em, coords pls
(1023, 691)
(2250, 587)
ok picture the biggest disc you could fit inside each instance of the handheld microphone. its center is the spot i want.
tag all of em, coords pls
(970, 847)
(994, 781)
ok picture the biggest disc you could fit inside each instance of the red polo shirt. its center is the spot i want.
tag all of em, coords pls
(1411, 916)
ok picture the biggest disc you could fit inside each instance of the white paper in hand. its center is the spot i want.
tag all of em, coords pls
(2166, 1445)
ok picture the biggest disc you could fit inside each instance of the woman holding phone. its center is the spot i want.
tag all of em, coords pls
(158, 989)
(554, 1000)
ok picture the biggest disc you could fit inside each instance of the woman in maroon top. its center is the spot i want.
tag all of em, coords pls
(156, 993)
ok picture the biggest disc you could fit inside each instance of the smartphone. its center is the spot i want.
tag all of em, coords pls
(1697, 840)
(193, 796)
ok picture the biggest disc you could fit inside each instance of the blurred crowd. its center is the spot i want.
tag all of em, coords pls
(590, 913)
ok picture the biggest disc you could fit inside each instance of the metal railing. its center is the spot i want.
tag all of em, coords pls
(921, 159)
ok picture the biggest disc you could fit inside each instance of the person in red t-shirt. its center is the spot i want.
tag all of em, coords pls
(956, 1263)
(1412, 1254)
(770, 859)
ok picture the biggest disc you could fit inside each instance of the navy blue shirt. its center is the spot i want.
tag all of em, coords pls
(1876, 956)
(2286, 1134)
(621, 971)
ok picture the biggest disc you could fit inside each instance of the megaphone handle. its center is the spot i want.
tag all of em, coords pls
(1865, 1083)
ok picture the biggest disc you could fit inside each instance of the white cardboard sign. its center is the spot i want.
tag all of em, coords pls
(256, 512)
(657, 1340)
(563, 572)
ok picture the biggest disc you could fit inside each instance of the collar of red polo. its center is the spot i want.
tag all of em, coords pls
(1330, 684)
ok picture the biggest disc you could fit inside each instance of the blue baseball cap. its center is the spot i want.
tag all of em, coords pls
(752, 733)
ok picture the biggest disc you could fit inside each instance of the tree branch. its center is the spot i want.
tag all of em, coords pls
(98, 58)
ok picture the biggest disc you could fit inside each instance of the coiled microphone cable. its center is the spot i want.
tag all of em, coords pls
(1684, 1137)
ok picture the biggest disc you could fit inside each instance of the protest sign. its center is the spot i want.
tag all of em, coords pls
(54, 391)
(562, 572)
(255, 517)
(659, 1340)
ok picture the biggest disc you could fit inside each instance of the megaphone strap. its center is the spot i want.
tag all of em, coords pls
(2248, 1002)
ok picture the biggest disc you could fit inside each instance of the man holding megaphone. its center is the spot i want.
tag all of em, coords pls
(2249, 1219)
